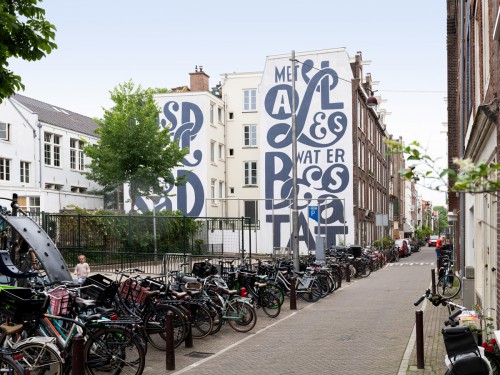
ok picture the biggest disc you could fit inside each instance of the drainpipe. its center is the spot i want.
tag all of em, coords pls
(40, 152)
(461, 126)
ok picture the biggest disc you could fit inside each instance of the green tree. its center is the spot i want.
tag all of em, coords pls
(133, 148)
(466, 176)
(25, 34)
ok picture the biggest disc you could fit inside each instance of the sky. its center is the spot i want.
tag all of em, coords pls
(157, 43)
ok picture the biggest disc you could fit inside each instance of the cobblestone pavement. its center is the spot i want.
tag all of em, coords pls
(364, 328)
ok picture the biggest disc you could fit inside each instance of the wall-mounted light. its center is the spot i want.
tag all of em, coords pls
(372, 101)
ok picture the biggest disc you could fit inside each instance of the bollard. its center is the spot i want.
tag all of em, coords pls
(77, 367)
(419, 327)
(293, 295)
(169, 341)
(347, 273)
(188, 341)
(433, 281)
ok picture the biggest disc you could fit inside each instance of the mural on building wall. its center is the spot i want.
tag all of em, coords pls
(186, 122)
(324, 147)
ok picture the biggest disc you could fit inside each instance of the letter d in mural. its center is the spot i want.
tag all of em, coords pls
(323, 98)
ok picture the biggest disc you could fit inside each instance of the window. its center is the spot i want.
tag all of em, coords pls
(29, 204)
(221, 189)
(250, 100)
(212, 190)
(4, 131)
(250, 132)
(212, 152)
(231, 190)
(76, 154)
(4, 169)
(231, 152)
(251, 210)
(212, 107)
(221, 151)
(250, 173)
(53, 186)
(220, 117)
(231, 116)
(25, 172)
(52, 149)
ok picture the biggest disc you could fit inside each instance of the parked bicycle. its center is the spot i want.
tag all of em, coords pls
(449, 284)
(464, 356)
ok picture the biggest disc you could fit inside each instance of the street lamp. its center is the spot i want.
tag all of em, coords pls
(155, 199)
(295, 212)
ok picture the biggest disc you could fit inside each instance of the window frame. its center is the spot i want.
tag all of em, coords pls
(24, 171)
(250, 173)
(5, 169)
(52, 149)
(250, 135)
(249, 100)
(6, 131)
(76, 153)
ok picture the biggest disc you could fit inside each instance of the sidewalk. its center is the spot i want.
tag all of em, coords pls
(434, 350)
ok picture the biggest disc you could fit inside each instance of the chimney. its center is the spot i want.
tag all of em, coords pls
(198, 79)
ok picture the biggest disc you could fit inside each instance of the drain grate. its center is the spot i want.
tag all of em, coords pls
(199, 354)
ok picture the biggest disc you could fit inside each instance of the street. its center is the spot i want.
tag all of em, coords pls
(363, 328)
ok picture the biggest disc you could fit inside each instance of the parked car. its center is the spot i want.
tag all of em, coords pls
(432, 241)
(403, 247)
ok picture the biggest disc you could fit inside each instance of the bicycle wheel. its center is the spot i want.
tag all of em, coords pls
(9, 366)
(201, 321)
(449, 286)
(277, 290)
(325, 287)
(363, 270)
(113, 351)
(313, 293)
(154, 322)
(494, 362)
(39, 358)
(270, 302)
(245, 313)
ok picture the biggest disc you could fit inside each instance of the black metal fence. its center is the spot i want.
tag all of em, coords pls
(126, 240)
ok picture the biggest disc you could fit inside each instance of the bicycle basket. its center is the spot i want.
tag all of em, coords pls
(59, 301)
(133, 291)
(22, 304)
(100, 288)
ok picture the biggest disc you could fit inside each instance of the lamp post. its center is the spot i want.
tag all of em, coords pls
(155, 199)
(295, 212)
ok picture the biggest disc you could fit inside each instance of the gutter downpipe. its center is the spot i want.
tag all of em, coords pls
(40, 152)
(461, 130)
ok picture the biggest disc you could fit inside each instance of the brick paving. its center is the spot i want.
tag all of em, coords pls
(434, 350)
(365, 328)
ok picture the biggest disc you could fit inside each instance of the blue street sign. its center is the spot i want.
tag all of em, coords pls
(313, 212)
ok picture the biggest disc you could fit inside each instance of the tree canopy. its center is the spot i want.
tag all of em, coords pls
(25, 34)
(133, 148)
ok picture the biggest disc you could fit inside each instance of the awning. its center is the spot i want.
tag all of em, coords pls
(408, 228)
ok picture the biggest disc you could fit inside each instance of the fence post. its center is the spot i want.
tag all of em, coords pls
(77, 362)
(433, 281)
(347, 273)
(293, 295)
(188, 341)
(169, 341)
(419, 326)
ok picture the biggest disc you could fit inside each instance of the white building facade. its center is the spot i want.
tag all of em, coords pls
(41, 156)
(240, 162)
